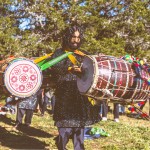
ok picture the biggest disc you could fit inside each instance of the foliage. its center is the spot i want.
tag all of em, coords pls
(111, 27)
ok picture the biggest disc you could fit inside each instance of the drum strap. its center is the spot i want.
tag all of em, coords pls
(72, 57)
(42, 58)
(79, 53)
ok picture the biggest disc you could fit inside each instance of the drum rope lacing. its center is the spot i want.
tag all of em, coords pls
(109, 94)
(131, 89)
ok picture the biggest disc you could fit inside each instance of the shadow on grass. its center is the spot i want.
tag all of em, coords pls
(31, 131)
(22, 138)
(19, 141)
(6, 120)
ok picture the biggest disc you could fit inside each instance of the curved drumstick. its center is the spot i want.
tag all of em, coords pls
(54, 61)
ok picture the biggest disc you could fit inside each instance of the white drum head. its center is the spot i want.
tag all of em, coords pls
(22, 78)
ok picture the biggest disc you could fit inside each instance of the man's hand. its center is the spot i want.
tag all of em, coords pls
(75, 69)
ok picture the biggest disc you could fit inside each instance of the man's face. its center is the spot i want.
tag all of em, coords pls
(74, 42)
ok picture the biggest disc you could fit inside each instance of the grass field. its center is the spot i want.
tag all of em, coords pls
(129, 134)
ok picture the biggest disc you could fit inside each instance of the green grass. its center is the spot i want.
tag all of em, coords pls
(128, 134)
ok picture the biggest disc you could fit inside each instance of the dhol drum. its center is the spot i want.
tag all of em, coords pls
(107, 77)
(21, 78)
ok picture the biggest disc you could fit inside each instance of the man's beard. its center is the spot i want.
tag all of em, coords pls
(74, 46)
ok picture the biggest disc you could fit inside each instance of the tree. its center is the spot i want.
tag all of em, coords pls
(8, 30)
(111, 27)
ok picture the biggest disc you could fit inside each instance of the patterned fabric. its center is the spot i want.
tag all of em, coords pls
(71, 108)
(29, 103)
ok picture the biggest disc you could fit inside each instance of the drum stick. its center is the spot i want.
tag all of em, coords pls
(54, 61)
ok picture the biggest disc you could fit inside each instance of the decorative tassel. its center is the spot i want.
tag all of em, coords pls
(141, 103)
(139, 65)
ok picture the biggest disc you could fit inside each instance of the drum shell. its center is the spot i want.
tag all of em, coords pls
(113, 79)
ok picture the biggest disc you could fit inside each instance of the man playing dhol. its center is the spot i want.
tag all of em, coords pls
(72, 110)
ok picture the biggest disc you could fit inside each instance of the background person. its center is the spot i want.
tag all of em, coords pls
(47, 97)
(25, 108)
(104, 111)
(10, 107)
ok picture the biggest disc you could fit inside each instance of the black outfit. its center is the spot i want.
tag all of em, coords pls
(77, 135)
(72, 110)
(26, 107)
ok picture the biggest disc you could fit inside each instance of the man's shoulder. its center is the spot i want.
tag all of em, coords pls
(84, 52)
